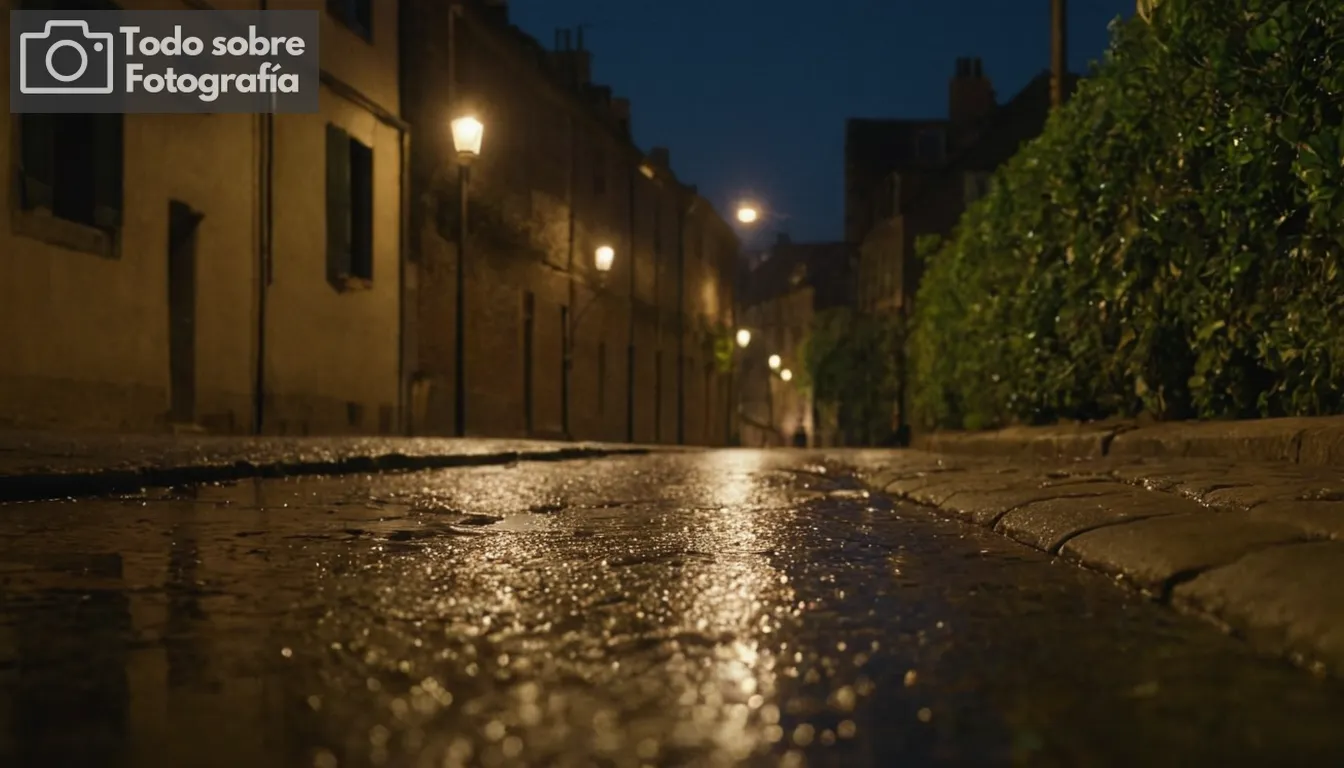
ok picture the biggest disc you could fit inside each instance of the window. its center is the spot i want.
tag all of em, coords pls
(355, 14)
(602, 377)
(599, 172)
(529, 339)
(657, 227)
(930, 147)
(888, 198)
(71, 166)
(349, 210)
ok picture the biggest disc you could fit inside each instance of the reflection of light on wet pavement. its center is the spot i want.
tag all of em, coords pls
(699, 609)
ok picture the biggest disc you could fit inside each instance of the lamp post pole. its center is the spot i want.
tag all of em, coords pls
(460, 326)
(467, 135)
(603, 260)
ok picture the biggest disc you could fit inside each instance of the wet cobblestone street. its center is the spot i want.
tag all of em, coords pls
(712, 608)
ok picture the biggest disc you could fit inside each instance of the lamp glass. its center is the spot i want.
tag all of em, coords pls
(743, 338)
(603, 258)
(786, 375)
(468, 132)
(748, 214)
(775, 362)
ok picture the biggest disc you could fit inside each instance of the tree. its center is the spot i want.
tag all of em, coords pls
(850, 363)
(1172, 243)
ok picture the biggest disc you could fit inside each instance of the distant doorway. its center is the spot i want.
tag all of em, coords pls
(183, 222)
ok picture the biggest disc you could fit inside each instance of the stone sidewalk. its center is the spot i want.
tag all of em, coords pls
(46, 465)
(1258, 547)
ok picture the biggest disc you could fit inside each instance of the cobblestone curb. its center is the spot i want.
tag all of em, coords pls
(47, 466)
(1257, 548)
(1306, 441)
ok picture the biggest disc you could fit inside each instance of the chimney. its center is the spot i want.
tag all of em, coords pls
(971, 94)
(573, 63)
(661, 158)
(1059, 50)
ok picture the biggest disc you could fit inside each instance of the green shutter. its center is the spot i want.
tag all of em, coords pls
(37, 133)
(108, 153)
(338, 205)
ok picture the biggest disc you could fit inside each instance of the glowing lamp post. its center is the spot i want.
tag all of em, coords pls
(468, 132)
(747, 214)
(775, 362)
(786, 375)
(743, 338)
(603, 259)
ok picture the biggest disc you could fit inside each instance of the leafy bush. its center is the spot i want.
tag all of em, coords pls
(849, 363)
(1170, 243)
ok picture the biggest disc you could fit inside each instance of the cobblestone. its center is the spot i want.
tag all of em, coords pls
(1048, 524)
(1256, 546)
(1286, 598)
(1153, 553)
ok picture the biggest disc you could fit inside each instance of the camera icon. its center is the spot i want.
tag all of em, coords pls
(38, 66)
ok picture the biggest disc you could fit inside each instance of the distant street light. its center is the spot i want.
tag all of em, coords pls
(775, 362)
(468, 133)
(747, 214)
(603, 258)
(786, 375)
(743, 338)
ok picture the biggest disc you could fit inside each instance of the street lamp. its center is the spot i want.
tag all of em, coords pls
(743, 338)
(747, 214)
(775, 362)
(603, 258)
(467, 135)
(786, 375)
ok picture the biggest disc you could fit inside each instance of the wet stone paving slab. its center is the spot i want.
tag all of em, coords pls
(692, 609)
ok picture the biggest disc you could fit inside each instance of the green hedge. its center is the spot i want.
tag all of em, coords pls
(1171, 242)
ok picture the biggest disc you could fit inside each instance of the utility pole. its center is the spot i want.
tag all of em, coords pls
(1059, 51)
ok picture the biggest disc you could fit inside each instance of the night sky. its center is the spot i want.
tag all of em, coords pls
(751, 96)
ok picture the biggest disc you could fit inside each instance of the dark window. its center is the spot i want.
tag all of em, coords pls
(602, 377)
(529, 335)
(658, 396)
(71, 165)
(657, 228)
(349, 208)
(355, 14)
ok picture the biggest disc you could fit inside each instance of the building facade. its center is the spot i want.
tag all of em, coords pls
(176, 271)
(787, 286)
(295, 274)
(553, 347)
(913, 200)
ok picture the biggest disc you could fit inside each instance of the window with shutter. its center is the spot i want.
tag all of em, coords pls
(361, 211)
(71, 165)
(37, 134)
(357, 15)
(338, 207)
(108, 154)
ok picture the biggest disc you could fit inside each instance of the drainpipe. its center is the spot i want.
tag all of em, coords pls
(265, 245)
(683, 212)
(630, 345)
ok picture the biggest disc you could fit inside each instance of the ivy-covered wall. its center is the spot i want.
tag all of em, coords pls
(1170, 244)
